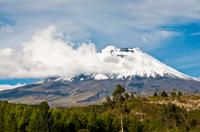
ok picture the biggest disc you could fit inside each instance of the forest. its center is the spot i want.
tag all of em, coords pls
(120, 112)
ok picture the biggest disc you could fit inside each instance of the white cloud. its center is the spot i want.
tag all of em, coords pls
(126, 23)
(7, 86)
(187, 61)
(48, 54)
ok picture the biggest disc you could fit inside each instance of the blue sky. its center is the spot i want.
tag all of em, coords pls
(169, 30)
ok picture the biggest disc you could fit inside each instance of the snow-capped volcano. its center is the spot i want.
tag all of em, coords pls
(120, 63)
(131, 67)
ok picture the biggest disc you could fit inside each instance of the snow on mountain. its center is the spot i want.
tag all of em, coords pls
(8, 87)
(100, 77)
(196, 78)
(130, 62)
(121, 63)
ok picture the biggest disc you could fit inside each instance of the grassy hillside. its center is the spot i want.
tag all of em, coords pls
(158, 113)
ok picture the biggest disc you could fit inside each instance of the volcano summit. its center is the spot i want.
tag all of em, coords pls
(134, 69)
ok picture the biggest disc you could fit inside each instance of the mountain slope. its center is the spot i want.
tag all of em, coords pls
(128, 63)
(132, 68)
(134, 62)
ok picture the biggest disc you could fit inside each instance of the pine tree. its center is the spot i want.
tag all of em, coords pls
(155, 94)
(173, 94)
(117, 94)
(118, 90)
(180, 93)
(164, 94)
(126, 95)
(39, 120)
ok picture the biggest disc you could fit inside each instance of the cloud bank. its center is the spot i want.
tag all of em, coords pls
(47, 54)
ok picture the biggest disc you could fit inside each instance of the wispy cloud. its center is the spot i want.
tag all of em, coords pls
(188, 62)
(129, 23)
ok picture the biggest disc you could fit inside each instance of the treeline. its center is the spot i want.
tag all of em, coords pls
(39, 118)
(165, 94)
(119, 112)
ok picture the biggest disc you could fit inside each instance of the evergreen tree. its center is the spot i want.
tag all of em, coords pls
(39, 120)
(180, 93)
(118, 90)
(126, 95)
(109, 102)
(10, 122)
(164, 94)
(173, 94)
(117, 94)
(155, 94)
(132, 95)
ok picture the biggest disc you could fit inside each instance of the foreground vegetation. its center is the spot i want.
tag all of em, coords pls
(121, 112)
